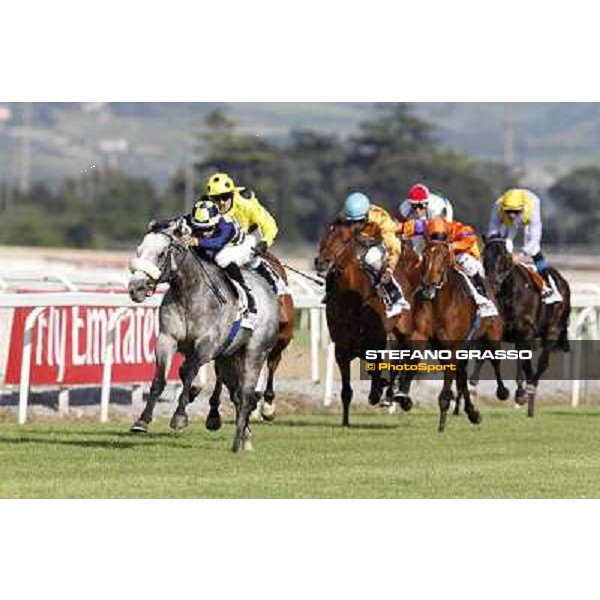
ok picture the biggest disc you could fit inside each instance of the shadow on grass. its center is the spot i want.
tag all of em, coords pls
(336, 425)
(106, 444)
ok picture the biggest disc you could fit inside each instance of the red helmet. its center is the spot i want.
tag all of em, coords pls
(418, 194)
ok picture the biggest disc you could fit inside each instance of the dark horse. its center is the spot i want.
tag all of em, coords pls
(526, 317)
(355, 314)
(445, 315)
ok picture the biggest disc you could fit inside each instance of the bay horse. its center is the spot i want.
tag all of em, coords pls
(445, 316)
(526, 317)
(355, 314)
(284, 337)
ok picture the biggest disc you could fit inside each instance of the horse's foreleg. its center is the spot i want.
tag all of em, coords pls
(463, 389)
(166, 347)
(445, 397)
(188, 372)
(343, 362)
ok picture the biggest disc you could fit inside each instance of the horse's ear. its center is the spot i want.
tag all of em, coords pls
(152, 226)
(484, 238)
(182, 227)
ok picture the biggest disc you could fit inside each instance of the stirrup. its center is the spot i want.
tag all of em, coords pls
(487, 310)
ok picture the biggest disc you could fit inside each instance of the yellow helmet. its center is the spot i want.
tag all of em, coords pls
(513, 200)
(219, 184)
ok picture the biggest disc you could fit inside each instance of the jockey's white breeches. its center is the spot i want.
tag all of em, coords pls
(469, 264)
(241, 254)
(375, 257)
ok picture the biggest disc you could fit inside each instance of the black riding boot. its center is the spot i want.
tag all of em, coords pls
(479, 284)
(236, 274)
(264, 271)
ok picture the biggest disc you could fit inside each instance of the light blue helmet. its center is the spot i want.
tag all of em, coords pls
(356, 206)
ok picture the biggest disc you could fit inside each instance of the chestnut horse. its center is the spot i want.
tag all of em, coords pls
(355, 313)
(445, 315)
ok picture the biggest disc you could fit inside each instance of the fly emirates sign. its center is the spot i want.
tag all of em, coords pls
(69, 346)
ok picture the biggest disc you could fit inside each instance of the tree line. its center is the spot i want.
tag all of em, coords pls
(302, 179)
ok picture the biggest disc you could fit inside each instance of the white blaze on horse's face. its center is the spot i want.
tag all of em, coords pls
(146, 268)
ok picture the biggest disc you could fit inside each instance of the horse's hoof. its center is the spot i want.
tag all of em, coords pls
(178, 422)
(374, 400)
(405, 402)
(247, 446)
(213, 421)
(139, 427)
(520, 398)
(475, 417)
(502, 393)
(267, 411)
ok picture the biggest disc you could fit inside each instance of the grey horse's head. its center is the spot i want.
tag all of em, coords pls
(154, 260)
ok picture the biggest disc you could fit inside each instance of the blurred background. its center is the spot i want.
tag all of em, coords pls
(91, 175)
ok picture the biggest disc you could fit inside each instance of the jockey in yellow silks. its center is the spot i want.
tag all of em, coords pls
(520, 208)
(253, 218)
(371, 223)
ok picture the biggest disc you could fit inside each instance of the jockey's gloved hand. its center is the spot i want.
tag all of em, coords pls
(261, 247)
(189, 240)
(387, 276)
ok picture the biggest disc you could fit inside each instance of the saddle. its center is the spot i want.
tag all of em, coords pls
(536, 279)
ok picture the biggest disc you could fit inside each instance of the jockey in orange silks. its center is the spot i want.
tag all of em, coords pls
(464, 243)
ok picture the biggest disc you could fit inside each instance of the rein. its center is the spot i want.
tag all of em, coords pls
(174, 244)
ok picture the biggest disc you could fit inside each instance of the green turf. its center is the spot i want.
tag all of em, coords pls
(555, 455)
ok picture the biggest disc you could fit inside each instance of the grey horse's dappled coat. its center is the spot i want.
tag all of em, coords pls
(196, 319)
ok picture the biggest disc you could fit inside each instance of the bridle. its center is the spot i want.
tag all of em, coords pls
(438, 286)
(163, 266)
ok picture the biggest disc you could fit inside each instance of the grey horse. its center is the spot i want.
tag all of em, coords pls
(199, 317)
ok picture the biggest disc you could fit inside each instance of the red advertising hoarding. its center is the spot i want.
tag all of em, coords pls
(69, 343)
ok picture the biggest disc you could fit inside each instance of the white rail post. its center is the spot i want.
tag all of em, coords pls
(108, 361)
(315, 313)
(63, 400)
(26, 361)
(329, 374)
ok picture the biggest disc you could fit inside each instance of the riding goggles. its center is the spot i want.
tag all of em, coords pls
(225, 197)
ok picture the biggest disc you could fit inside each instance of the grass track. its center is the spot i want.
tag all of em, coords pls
(555, 455)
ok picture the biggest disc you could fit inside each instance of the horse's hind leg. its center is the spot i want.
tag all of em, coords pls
(267, 409)
(502, 392)
(213, 419)
(165, 350)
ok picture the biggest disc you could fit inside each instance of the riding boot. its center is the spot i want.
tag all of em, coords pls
(549, 292)
(250, 317)
(265, 272)
(485, 305)
(397, 301)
